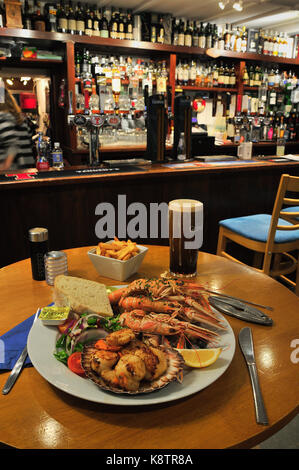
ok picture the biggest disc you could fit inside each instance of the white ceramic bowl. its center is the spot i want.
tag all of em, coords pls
(114, 268)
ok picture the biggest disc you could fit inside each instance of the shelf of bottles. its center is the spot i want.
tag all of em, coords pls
(117, 86)
(206, 76)
(86, 22)
(269, 109)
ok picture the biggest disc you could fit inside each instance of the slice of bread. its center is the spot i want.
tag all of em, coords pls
(81, 295)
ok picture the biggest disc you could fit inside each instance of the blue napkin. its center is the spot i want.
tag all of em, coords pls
(13, 342)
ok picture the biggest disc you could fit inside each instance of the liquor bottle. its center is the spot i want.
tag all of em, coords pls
(227, 38)
(80, 22)
(275, 44)
(221, 78)
(161, 79)
(270, 43)
(226, 76)
(153, 28)
(50, 12)
(62, 19)
(195, 37)
(185, 73)
(261, 40)
(161, 31)
(180, 73)
(202, 37)
(244, 40)
(71, 20)
(221, 40)
(26, 19)
(38, 19)
(96, 22)
(94, 100)
(266, 43)
(181, 36)
(238, 42)
(78, 64)
(129, 26)
(215, 37)
(245, 77)
(192, 73)
(86, 63)
(188, 35)
(208, 34)
(232, 77)
(175, 32)
(104, 26)
(88, 22)
(121, 25)
(215, 75)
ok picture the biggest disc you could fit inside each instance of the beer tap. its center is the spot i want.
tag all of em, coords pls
(92, 123)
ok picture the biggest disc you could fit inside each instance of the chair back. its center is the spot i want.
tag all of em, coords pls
(287, 184)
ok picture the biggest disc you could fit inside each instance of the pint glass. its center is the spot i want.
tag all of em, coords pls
(185, 236)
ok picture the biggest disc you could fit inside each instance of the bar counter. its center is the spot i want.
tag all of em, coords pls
(65, 201)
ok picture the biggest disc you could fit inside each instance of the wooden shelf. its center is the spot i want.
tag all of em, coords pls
(137, 46)
(200, 88)
(259, 144)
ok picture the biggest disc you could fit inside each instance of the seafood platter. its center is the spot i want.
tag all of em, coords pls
(156, 340)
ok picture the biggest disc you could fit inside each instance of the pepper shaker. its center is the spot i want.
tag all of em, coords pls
(38, 241)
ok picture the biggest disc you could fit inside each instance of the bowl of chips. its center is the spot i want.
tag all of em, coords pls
(117, 259)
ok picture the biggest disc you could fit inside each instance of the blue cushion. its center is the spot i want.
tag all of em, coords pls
(256, 227)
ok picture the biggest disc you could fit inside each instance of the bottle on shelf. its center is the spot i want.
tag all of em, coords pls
(161, 31)
(202, 36)
(62, 23)
(26, 16)
(80, 22)
(129, 26)
(175, 32)
(181, 33)
(188, 35)
(104, 26)
(88, 22)
(38, 19)
(195, 37)
(71, 20)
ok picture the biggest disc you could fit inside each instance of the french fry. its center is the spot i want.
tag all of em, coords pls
(121, 250)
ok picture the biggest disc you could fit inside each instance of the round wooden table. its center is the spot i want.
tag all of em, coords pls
(37, 415)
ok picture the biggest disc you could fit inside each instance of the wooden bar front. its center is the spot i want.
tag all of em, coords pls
(66, 205)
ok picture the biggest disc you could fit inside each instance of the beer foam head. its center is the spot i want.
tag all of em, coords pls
(185, 205)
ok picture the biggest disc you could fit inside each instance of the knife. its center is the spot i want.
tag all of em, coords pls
(246, 345)
(17, 367)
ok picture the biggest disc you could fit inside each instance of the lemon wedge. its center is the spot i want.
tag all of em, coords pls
(199, 358)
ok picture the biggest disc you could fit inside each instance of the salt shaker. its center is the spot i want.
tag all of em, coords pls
(55, 264)
(38, 241)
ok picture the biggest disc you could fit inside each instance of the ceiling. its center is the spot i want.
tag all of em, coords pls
(276, 15)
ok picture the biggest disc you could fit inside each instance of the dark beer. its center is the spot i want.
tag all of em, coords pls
(183, 260)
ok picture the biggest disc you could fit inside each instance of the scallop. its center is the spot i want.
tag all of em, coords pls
(170, 360)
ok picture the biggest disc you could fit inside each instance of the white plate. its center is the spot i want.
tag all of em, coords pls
(41, 346)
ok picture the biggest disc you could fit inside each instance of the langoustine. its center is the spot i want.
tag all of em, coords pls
(185, 303)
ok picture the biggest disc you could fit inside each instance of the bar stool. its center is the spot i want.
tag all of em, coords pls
(267, 235)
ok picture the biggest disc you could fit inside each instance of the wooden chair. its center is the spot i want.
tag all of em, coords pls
(273, 238)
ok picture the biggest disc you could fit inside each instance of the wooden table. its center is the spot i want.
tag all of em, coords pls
(37, 415)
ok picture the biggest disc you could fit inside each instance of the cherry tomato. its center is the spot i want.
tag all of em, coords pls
(74, 364)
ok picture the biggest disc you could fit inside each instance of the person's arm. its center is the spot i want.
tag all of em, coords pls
(8, 140)
(7, 163)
